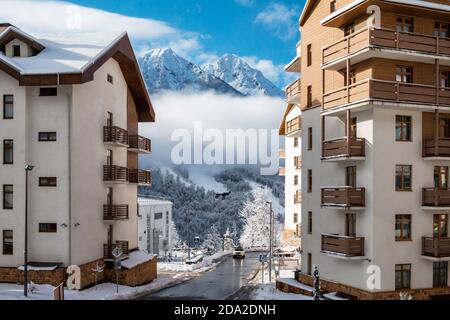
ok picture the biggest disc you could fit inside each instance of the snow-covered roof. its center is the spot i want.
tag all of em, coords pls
(136, 258)
(153, 202)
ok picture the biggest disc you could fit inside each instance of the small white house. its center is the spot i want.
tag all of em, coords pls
(155, 220)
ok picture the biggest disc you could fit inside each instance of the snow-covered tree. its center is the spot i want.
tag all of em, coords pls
(214, 240)
(317, 289)
(174, 233)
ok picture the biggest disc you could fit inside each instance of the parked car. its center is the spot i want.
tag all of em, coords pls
(195, 259)
(239, 253)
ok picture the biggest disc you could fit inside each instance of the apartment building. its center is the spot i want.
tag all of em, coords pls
(291, 129)
(71, 108)
(375, 114)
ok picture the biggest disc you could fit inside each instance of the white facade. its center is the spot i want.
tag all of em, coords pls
(155, 220)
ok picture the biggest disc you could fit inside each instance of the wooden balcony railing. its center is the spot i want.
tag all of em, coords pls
(347, 246)
(385, 38)
(436, 197)
(388, 91)
(140, 143)
(115, 212)
(298, 197)
(115, 135)
(282, 171)
(435, 247)
(115, 174)
(108, 249)
(282, 153)
(355, 147)
(344, 197)
(141, 177)
(441, 149)
(294, 125)
(293, 89)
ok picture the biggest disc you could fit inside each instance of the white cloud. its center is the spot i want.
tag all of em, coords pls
(245, 3)
(279, 19)
(271, 71)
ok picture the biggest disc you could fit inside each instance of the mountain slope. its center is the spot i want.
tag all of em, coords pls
(163, 69)
(241, 76)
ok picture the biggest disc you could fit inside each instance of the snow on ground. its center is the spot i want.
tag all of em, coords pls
(205, 265)
(270, 292)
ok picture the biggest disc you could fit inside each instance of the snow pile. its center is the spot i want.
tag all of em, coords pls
(136, 258)
(207, 263)
(270, 292)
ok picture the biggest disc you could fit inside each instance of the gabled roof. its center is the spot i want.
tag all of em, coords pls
(11, 33)
(73, 59)
(306, 11)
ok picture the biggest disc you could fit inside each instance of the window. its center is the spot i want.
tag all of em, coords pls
(350, 176)
(295, 180)
(351, 78)
(8, 197)
(109, 119)
(445, 79)
(298, 197)
(349, 29)
(440, 226)
(8, 151)
(295, 142)
(440, 274)
(309, 97)
(310, 139)
(444, 128)
(403, 178)
(158, 215)
(402, 276)
(109, 158)
(47, 227)
(309, 264)
(298, 162)
(48, 92)
(309, 181)
(309, 55)
(8, 242)
(8, 106)
(110, 79)
(47, 136)
(310, 222)
(403, 223)
(441, 177)
(403, 128)
(16, 50)
(353, 128)
(404, 74)
(295, 217)
(405, 24)
(442, 30)
(47, 182)
(350, 225)
(332, 6)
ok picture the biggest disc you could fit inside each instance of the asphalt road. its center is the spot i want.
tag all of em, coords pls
(224, 281)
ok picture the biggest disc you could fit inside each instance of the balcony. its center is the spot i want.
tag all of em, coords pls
(344, 197)
(115, 174)
(282, 172)
(431, 149)
(346, 247)
(115, 212)
(435, 198)
(115, 136)
(344, 149)
(371, 42)
(108, 249)
(294, 127)
(293, 92)
(436, 248)
(386, 91)
(140, 177)
(140, 144)
(282, 154)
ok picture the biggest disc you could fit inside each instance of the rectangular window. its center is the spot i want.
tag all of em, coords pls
(403, 128)
(404, 74)
(309, 55)
(8, 106)
(309, 97)
(309, 264)
(403, 223)
(8, 151)
(442, 29)
(8, 242)
(350, 176)
(332, 6)
(295, 142)
(8, 195)
(444, 128)
(403, 178)
(47, 182)
(445, 79)
(48, 92)
(441, 177)
(350, 225)
(351, 78)
(295, 217)
(440, 274)
(16, 50)
(440, 226)
(310, 222)
(354, 128)
(47, 136)
(298, 162)
(295, 180)
(402, 276)
(158, 215)
(110, 79)
(349, 29)
(405, 24)
(309, 181)
(47, 227)
(310, 139)
(109, 119)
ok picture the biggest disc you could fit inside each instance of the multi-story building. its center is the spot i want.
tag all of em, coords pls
(71, 108)
(155, 226)
(291, 128)
(375, 100)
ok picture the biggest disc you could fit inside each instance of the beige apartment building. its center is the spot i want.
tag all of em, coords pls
(71, 108)
(375, 118)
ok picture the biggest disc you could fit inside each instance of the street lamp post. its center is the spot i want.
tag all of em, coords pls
(28, 169)
(270, 241)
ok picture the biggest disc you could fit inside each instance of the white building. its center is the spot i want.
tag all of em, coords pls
(71, 108)
(155, 221)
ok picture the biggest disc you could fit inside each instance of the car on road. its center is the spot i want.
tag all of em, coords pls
(239, 253)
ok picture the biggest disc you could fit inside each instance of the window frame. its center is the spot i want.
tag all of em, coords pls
(5, 149)
(110, 78)
(6, 104)
(400, 221)
(402, 23)
(400, 268)
(310, 222)
(18, 53)
(4, 243)
(309, 56)
(405, 74)
(48, 229)
(402, 188)
(438, 29)
(158, 216)
(333, 6)
(49, 183)
(47, 136)
(309, 181)
(48, 92)
(440, 274)
(309, 98)
(5, 194)
(403, 122)
(310, 139)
